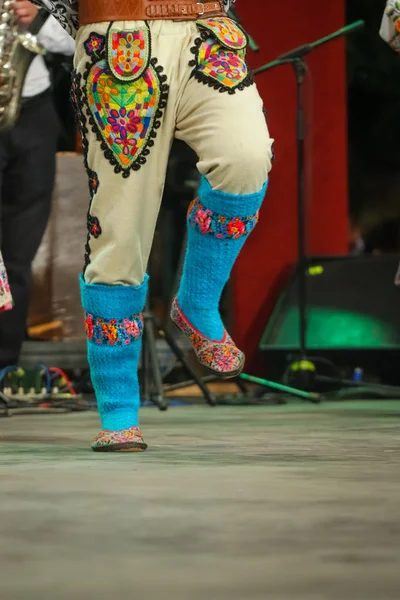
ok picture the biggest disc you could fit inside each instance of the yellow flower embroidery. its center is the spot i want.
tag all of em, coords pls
(140, 90)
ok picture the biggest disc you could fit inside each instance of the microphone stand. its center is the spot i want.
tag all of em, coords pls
(232, 13)
(296, 58)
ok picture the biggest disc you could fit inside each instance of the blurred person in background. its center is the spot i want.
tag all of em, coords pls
(390, 32)
(356, 241)
(27, 175)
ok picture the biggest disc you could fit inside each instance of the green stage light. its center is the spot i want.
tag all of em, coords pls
(329, 328)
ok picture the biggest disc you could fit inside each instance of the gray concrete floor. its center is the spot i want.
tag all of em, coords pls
(228, 503)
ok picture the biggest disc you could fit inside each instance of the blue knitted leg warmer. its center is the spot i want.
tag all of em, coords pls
(218, 226)
(114, 329)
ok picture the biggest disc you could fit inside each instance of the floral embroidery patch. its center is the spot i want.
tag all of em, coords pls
(220, 55)
(226, 31)
(113, 332)
(208, 222)
(95, 44)
(93, 225)
(224, 67)
(125, 94)
(128, 53)
(124, 113)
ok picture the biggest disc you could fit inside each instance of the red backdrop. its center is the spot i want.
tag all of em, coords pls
(272, 249)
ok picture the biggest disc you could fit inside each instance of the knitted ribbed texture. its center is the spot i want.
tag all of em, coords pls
(210, 258)
(114, 368)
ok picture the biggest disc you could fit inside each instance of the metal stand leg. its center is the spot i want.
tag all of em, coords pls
(210, 398)
(153, 388)
(152, 384)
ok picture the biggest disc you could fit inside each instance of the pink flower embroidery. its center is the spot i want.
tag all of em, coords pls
(124, 121)
(89, 326)
(132, 328)
(128, 145)
(203, 219)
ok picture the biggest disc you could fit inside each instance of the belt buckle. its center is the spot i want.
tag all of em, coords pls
(203, 9)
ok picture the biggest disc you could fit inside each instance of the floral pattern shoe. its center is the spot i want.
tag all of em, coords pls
(125, 440)
(222, 357)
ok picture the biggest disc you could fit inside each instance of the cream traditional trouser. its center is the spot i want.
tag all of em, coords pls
(138, 85)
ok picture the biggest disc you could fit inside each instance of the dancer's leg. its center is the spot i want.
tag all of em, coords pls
(127, 128)
(221, 117)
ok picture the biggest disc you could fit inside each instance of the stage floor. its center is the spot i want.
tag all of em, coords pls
(292, 502)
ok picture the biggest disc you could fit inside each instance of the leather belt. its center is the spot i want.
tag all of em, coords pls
(99, 11)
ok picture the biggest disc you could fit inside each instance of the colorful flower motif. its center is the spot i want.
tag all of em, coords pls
(196, 340)
(139, 89)
(223, 228)
(125, 117)
(128, 145)
(94, 44)
(89, 327)
(122, 121)
(110, 332)
(93, 182)
(113, 332)
(106, 87)
(94, 227)
(203, 220)
(132, 328)
(225, 61)
(226, 31)
(128, 53)
(236, 228)
(220, 68)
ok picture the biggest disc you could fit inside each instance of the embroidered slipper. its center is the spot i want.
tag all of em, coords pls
(125, 440)
(221, 357)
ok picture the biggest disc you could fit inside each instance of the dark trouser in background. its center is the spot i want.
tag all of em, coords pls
(27, 173)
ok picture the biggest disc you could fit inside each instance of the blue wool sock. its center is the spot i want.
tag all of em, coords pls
(114, 331)
(218, 226)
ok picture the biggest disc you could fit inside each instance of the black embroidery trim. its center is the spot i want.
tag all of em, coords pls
(217, 85)
(206, 79)
(196, 49)
(78, 104)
